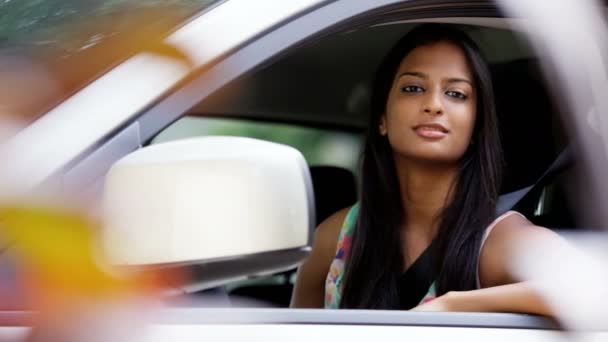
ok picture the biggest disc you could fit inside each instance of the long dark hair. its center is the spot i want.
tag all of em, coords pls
(375, 262)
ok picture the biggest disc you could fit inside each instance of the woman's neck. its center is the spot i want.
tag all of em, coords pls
(426, 188)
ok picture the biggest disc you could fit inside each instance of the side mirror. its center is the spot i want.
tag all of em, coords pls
(225, 207)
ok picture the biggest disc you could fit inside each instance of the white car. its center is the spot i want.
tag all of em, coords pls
(298, 72)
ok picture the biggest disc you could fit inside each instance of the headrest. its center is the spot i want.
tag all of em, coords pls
(525, 115)
(335, 188)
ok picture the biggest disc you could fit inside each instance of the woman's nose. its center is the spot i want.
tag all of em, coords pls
(433, 103)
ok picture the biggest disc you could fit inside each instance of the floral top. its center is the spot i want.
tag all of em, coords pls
(333, 282)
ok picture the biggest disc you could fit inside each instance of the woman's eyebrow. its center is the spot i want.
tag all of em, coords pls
(425, 76)
(414, 73)
(458, 79)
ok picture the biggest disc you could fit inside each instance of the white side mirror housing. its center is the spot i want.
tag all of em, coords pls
(209, 200)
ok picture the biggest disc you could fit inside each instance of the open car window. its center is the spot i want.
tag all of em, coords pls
(333, 90)
(316, 85)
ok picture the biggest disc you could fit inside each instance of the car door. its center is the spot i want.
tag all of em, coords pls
(142, 106)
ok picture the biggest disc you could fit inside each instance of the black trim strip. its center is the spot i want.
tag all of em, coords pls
(211, 273)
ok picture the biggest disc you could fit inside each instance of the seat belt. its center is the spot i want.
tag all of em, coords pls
(508, 201)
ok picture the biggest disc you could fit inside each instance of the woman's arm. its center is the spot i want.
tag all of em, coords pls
(501, 291)
(309, 290)
(514, 298)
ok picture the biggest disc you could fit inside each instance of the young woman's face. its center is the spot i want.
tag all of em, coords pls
(430, 111)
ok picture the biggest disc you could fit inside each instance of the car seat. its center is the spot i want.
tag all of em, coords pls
(532, 140)
(334, 188)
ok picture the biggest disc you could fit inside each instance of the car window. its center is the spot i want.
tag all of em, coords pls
(319, 146)
(333, 91)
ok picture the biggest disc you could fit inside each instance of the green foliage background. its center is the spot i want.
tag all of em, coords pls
(319, 146)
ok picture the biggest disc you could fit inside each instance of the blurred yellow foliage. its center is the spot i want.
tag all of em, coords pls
(59, 253)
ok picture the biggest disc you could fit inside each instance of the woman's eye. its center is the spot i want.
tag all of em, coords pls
(412, 89)
(456, 94)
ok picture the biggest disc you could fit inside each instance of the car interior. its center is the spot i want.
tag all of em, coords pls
(325, 84)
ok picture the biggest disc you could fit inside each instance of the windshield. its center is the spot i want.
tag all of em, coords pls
(51, 48)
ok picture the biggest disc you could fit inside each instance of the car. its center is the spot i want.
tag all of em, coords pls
(298, 73)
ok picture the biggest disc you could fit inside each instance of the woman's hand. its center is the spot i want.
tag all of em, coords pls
(514, 298)
(443, 303)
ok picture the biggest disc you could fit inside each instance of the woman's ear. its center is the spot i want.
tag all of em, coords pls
(382, 127)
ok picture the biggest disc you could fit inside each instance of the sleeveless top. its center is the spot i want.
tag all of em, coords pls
(333, 282)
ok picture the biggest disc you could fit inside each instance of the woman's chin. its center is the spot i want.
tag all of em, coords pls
(431, 156)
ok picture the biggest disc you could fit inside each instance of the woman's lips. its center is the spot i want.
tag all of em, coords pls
(432, 131)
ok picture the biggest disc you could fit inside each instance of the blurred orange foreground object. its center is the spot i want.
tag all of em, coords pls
(63, 268)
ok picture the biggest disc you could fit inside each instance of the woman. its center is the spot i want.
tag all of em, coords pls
(424, 234)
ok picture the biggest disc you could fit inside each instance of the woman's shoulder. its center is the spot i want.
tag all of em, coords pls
(512, 228)
(310, 284)
(513, 224)
(504, 236)
(330, 228)
(510, 218)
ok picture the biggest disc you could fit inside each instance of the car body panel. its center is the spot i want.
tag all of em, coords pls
(40, 153)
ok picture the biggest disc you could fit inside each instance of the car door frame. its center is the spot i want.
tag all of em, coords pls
(89, 165)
